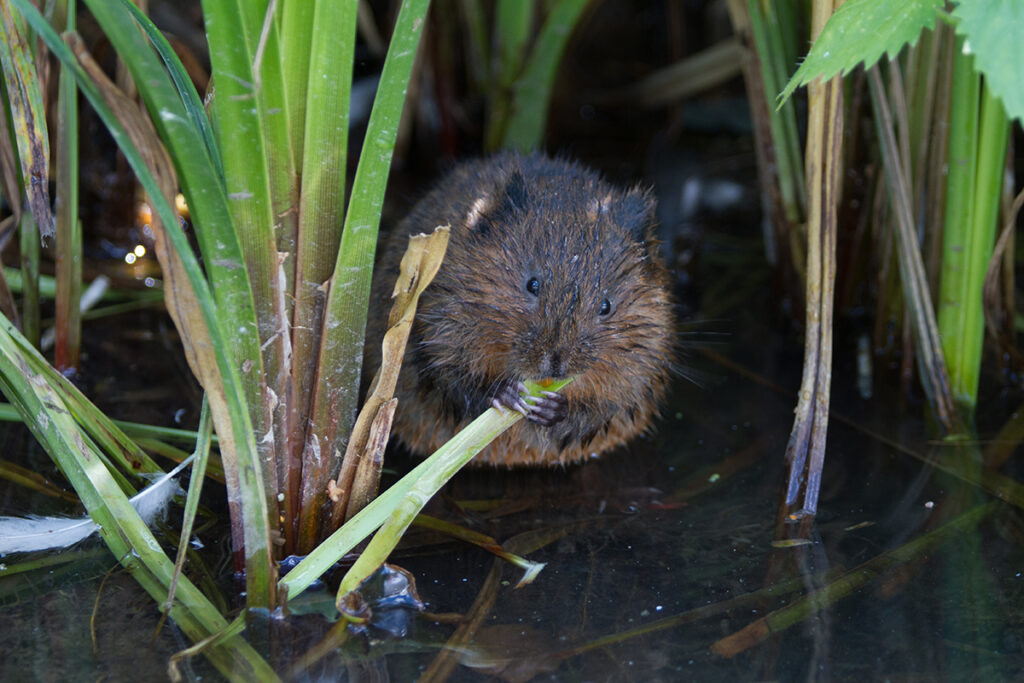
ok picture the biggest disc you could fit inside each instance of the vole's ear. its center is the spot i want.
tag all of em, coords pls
(515, 195)
(636, 213)
(498, 206)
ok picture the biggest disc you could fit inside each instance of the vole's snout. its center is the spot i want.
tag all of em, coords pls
(550, 353)
(553, 363)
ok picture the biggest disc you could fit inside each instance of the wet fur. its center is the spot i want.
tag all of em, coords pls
(513, 218)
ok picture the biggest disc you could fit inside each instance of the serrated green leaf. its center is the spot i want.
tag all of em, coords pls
(861, 31)
(992, 30)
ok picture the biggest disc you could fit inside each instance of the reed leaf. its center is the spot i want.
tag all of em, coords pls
(130, 458)
(770, 24)
(195, 489)
(513, 21)
(201, 180)
(340, 355)
(429, 477)
(297, 21)
(978, 136)
(182, 83)
(31, 153)
(28, 121)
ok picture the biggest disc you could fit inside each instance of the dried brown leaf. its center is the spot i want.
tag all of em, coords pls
(367, 479)
(420, 263)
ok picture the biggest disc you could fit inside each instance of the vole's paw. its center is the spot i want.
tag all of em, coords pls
(549, 409)
(507, 396)
(546, 410)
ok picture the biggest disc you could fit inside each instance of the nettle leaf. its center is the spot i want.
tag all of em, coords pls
(992, 31)
(861, 31)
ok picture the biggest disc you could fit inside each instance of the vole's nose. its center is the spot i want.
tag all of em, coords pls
(554, 364)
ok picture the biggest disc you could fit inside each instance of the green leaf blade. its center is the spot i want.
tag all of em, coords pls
(860, 32)
(992, 31)
(186, 90)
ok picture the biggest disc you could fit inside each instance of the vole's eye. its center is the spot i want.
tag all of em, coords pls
(606, 308)
(533, 286)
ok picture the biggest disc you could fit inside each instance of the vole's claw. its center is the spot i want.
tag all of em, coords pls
(508, 397)
(549, 409)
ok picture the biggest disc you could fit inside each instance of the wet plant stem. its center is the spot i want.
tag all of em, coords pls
(805, 451)
(318, 64)
(340, 352)
(195, 489)
(930, 359)
(444, 463)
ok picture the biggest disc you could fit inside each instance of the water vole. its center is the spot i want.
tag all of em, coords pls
(550, 272)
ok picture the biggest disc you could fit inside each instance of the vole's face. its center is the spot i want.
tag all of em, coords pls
(555, 281)
(573, 295)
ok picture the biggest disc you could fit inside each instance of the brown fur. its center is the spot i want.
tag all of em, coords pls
(514, 218)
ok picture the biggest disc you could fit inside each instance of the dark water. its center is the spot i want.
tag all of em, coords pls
(653, 555)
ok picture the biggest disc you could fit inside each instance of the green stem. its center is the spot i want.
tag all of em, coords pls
(321, 210)
(512, 23)
(69, 231)
(977, 149)
(532, 95)
(769, 41)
